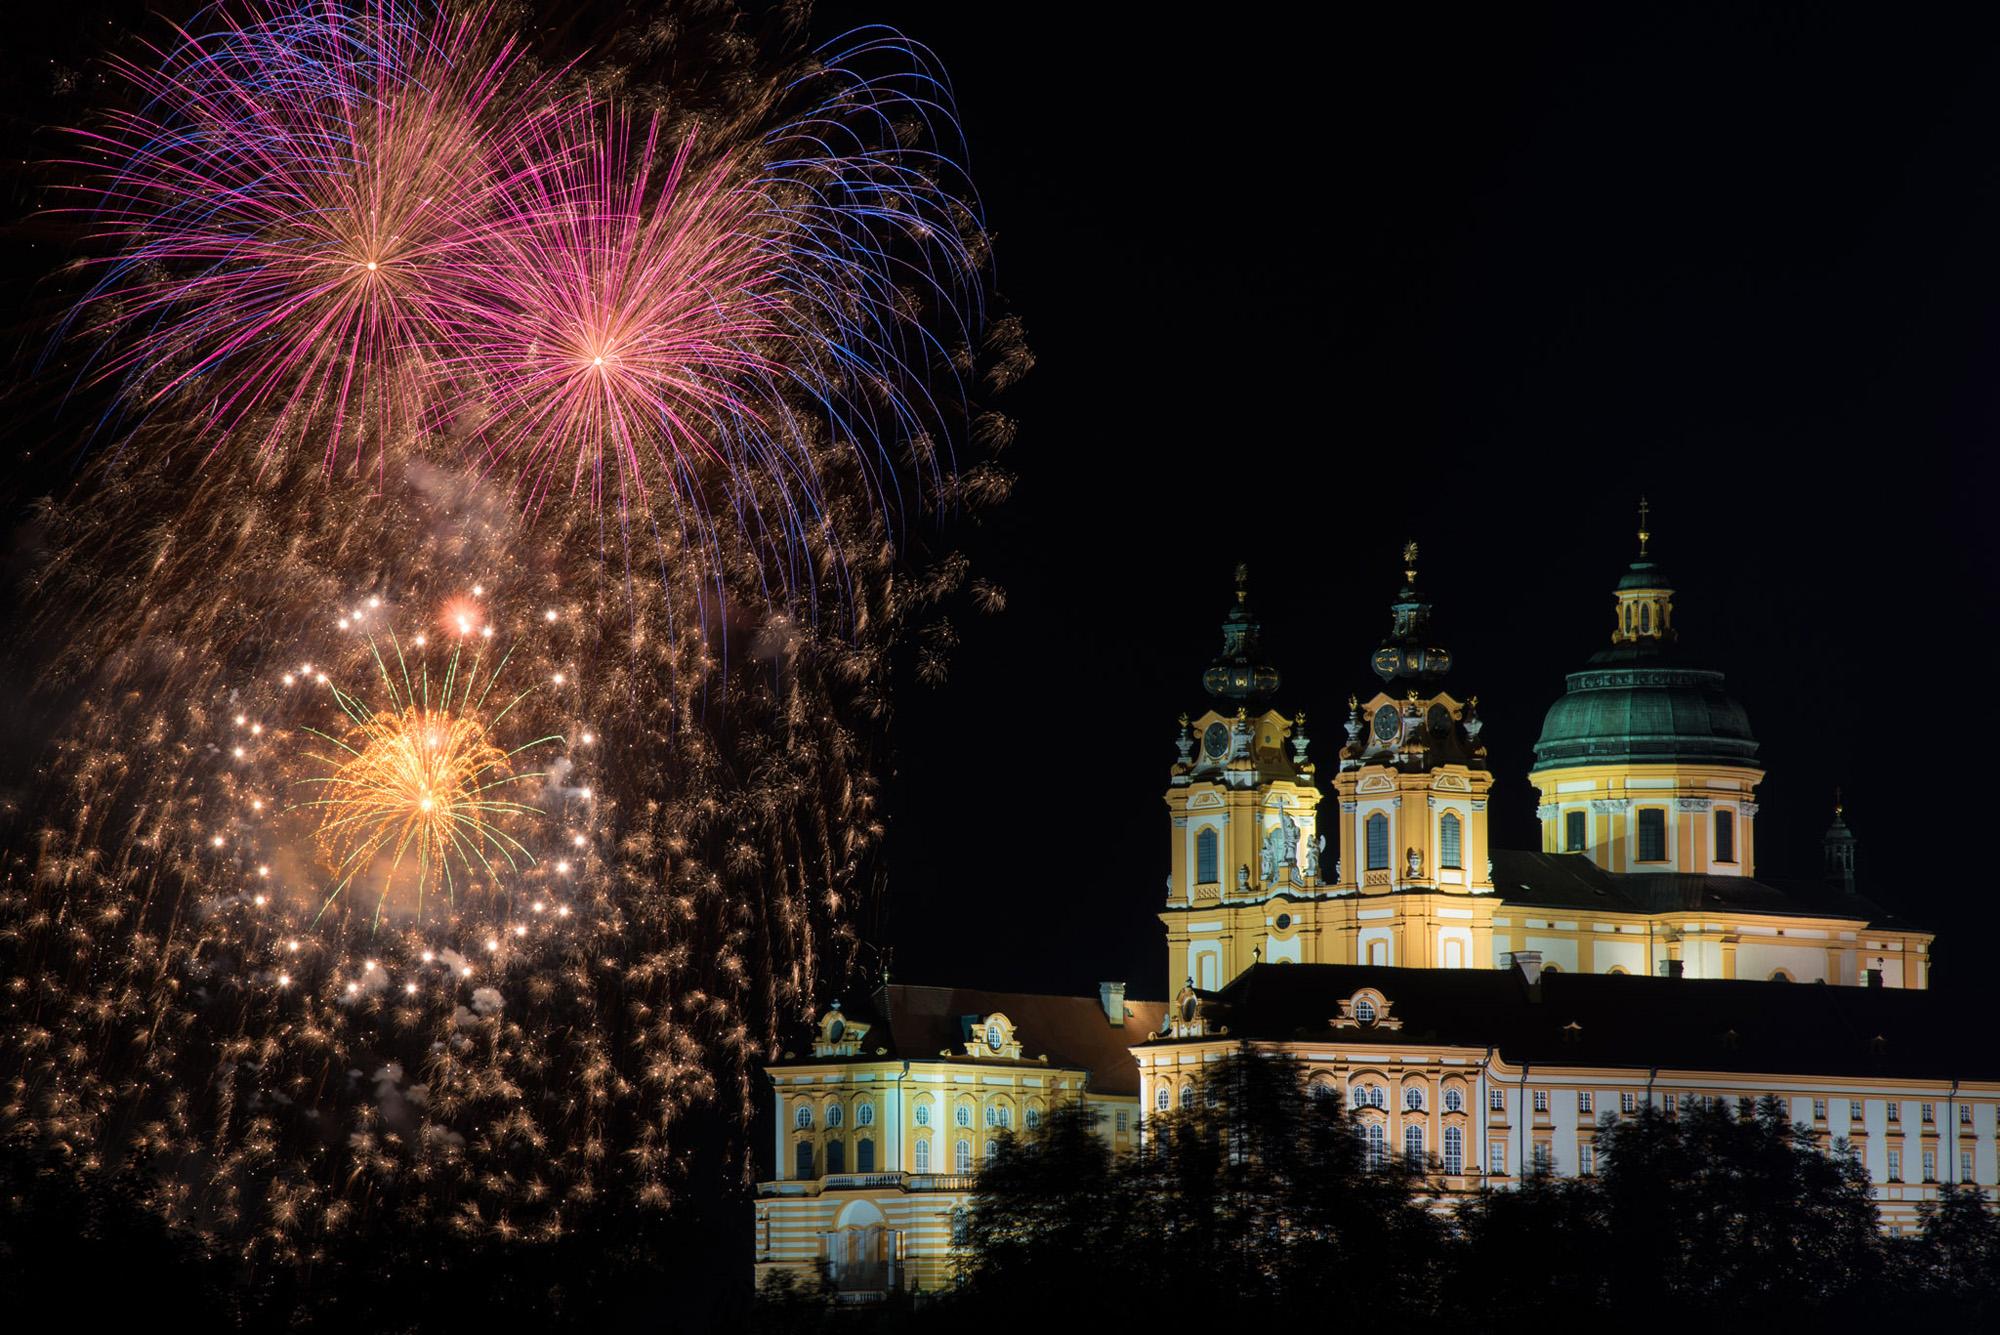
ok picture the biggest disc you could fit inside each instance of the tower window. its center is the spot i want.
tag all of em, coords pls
(864, 1156)
(1645, 618)
(923, 1152)
(1575, 831)
(1207, 871)
(836, 1157)
(1378, 842)
(803, 1165)
(1451, 850)
(1652, 834)
(1725, 836)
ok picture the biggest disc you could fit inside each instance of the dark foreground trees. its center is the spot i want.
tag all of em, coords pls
(1262, 1203)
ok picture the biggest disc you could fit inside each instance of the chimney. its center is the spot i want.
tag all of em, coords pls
(1111, 996)
(1529, 962)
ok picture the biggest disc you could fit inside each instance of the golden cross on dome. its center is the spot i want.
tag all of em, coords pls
(1410, 561)
(1644, 534)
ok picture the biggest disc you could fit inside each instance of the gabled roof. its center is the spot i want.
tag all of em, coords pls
(935, 1023)
(1571, 881)
(1618, 1021)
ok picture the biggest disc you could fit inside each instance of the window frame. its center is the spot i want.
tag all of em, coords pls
(1451, 842)
(1725, 836)
(1454, 1151)
(1207, 856)
(1376, 820)
(1576, 832)
(1642, 820)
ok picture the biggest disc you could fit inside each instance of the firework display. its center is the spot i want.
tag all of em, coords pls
(471, 660)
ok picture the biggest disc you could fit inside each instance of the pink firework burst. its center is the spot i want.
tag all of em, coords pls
(620, 346)
(294, 212)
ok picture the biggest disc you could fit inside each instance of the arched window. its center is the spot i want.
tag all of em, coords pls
(836, 1157)
(1451, 847)
(1187, 1097)
(864, 1156)
(1033, 1118)
(1575, 831)
(1454, 1150)
(994, 1037)
(924, 1155)
(1378, 1145)
(1161, 1099)
(1725, 836)
(923, 1112)
(1652, 834)
(803, 1118)
(864, 1115)
(1378, 842)
(1454, 1099)
(1413, 1144)
(1413, 1099)
(1322, 1089)
(1364, 1010)
(1645, 618)
(1207, 870)
(992, 1114)
(1780, 976)
(834, 1115)
(964, 1114)
(802, 1165)
(962, 1157)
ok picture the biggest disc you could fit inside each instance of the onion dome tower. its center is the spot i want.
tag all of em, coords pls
(1413, 777)
(1647, 763)
(1244, 813)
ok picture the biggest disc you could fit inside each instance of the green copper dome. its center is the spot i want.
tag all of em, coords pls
(1639, 701)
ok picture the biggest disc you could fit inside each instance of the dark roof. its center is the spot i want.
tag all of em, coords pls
(1571, 881)
(1074, 1032)
(1625, 1021)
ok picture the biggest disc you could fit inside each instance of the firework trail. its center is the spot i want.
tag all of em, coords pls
(468, 942)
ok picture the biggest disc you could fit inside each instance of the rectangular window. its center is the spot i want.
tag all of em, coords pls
(1854, 1110)
(1541, 1100)
(1378, 842)
(1496, 1157)
(1575, 831)
(1930, 1165)
(1451, 844)
(1586, 1158)
(1725, 836)
(1585, 1105)
(1628, 1103)
(1496, 1099)
(1652, 834)
(1541, 1156)
(1454, 1151)
(1895, 1111)
(1895, 1165)
(1965, 1165)
(1124, 1121)
(1207, 870)
(1927, 1112)
(1965, 1114)
(1819, 1110)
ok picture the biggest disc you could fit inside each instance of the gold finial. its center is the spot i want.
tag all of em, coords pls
(1645, 534)
(1353, 703)
(1183, 720)
(1837, 808)
(1410, 561)
(1242, 581)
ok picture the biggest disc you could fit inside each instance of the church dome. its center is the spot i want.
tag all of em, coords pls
(1639, 701)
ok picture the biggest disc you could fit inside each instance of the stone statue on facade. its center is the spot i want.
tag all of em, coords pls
(1315, 846)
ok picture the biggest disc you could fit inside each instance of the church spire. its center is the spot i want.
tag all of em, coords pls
(1238, 675)
(1839, 847)
(1645, 595)
(1407, 653)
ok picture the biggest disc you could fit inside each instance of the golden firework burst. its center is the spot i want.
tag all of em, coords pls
(419, 793)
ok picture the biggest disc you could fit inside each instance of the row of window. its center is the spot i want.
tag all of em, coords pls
(1652, 827)
(998, 1115)
(1451, 841)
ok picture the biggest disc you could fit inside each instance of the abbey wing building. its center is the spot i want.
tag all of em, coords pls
(1485, 1009)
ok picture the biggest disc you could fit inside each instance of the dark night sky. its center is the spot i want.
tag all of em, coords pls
(1303, 284)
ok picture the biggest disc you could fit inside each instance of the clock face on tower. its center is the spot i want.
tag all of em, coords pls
(1385, 723)
(1215, 740)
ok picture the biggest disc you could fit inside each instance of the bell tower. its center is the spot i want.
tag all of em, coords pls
(1412, 786)
(1244, 814)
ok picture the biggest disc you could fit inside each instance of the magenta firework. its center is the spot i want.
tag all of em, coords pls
(379, 229)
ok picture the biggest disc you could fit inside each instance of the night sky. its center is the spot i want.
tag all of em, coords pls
(1303, 285)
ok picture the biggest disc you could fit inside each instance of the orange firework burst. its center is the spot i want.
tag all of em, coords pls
(420, 792)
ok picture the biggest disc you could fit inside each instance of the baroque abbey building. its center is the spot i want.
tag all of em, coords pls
(1484, 1009)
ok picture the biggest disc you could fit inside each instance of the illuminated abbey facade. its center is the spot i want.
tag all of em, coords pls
(1484, 1009)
